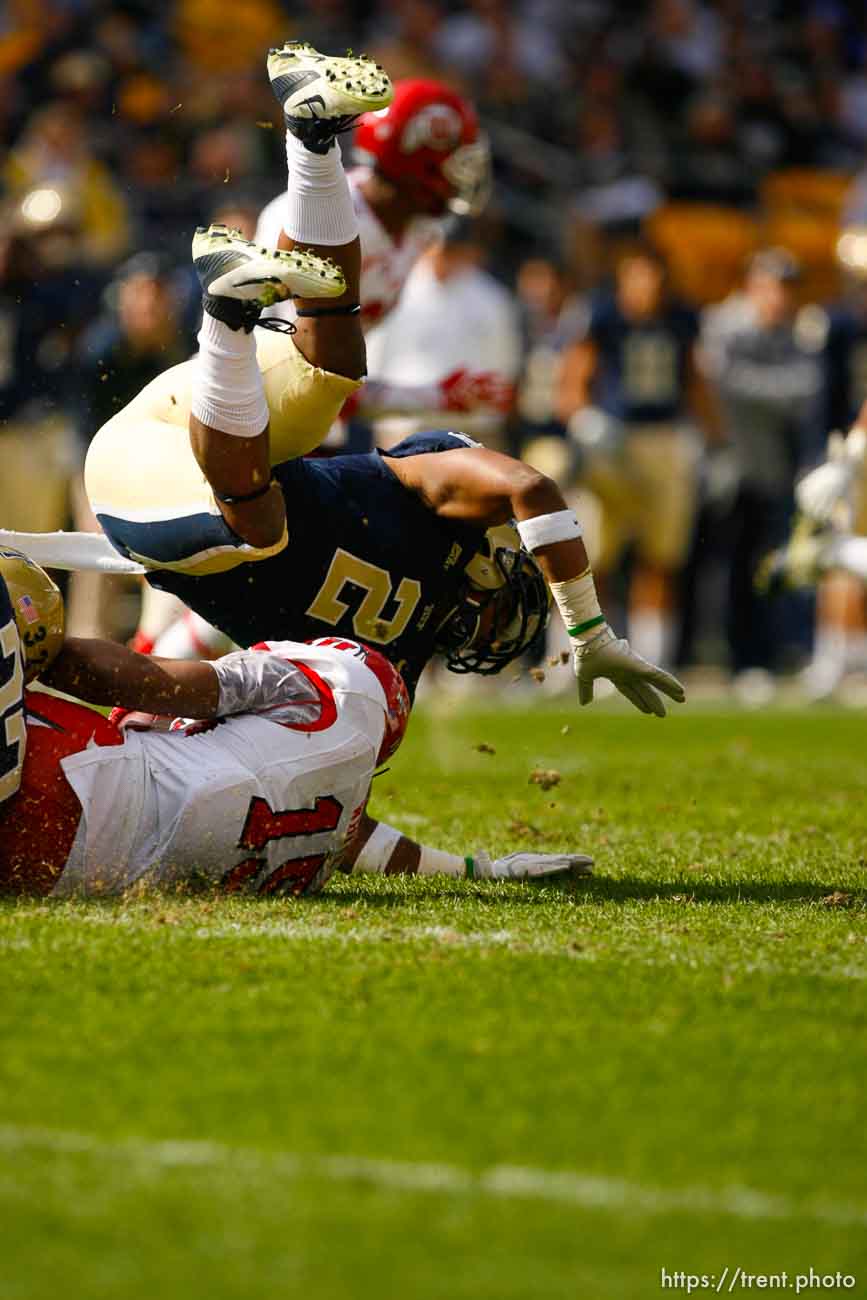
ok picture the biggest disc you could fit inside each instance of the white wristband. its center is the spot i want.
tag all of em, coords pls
(545, 530)
(376, 854)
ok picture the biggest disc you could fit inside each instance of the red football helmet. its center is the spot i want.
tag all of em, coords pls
(397, 701)
(397, 705)
(428, 140)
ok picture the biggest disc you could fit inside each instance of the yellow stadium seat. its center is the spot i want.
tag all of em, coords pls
(812, 237)
(706, 246)
(805, 189)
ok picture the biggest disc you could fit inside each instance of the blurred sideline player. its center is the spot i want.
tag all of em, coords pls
(831, 534)
(841, 631)
(634, 391)
(451, 308)
(266, 793)
(554, 320)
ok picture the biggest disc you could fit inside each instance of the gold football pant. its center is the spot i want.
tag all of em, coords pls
(144, 484)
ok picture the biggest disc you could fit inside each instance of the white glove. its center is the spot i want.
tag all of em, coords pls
(606, 655)
(819, 492)
(530, 866)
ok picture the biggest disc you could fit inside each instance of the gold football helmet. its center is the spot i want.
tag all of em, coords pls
(501, 610)
(38, 608)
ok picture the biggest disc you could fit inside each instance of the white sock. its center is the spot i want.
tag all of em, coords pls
(318, 202)
(228, 393)
(652, 634)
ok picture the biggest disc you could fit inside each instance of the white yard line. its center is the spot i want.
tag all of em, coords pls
(518, 943)
(509, 1182)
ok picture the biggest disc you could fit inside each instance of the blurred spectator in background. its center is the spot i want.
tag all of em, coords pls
(53, 157)
(633, 404)
(46, 297)
(553, 318)
(239, 212)
(402, 37)
(708, 161)
(456, 326)
(495, 43)
(145, 327)
(763, 358)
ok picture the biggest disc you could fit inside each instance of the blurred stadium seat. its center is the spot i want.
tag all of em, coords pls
(706, 247)
(807, 189)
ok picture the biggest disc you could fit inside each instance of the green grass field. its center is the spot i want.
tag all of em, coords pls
(459, 1091)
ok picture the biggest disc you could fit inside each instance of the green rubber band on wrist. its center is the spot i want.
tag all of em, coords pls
(471, 868)
(585, 627)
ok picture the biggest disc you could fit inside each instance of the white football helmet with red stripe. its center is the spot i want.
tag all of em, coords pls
(428, 142)
(396, 701)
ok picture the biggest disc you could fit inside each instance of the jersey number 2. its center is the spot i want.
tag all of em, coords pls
(262, 826)
(368, 620)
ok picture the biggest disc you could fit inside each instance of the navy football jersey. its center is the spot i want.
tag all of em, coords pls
(844, 369)
(366, 559)
(642, 366)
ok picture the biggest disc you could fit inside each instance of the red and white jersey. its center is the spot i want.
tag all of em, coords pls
(264, 801)
(385, 262)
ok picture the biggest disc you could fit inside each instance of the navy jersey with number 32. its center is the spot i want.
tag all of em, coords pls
(366, 558)
(13, 733)
(642, 365)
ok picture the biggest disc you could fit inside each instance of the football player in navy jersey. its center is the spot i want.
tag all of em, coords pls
(636, 394)
(411, 551)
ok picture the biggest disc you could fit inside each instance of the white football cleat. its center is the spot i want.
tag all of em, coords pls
(239, 278)
(322, 95)
(530, 866)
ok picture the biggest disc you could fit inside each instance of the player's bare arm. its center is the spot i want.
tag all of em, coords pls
(381, 849)
(103, 672)
(578, 367)
(486, 487)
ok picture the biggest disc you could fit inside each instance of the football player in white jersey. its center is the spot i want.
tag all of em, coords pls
(420, 159)
(265, 794)
(831, 531)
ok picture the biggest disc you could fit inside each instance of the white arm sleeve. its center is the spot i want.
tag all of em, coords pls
(260, 682)
(380, 397)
